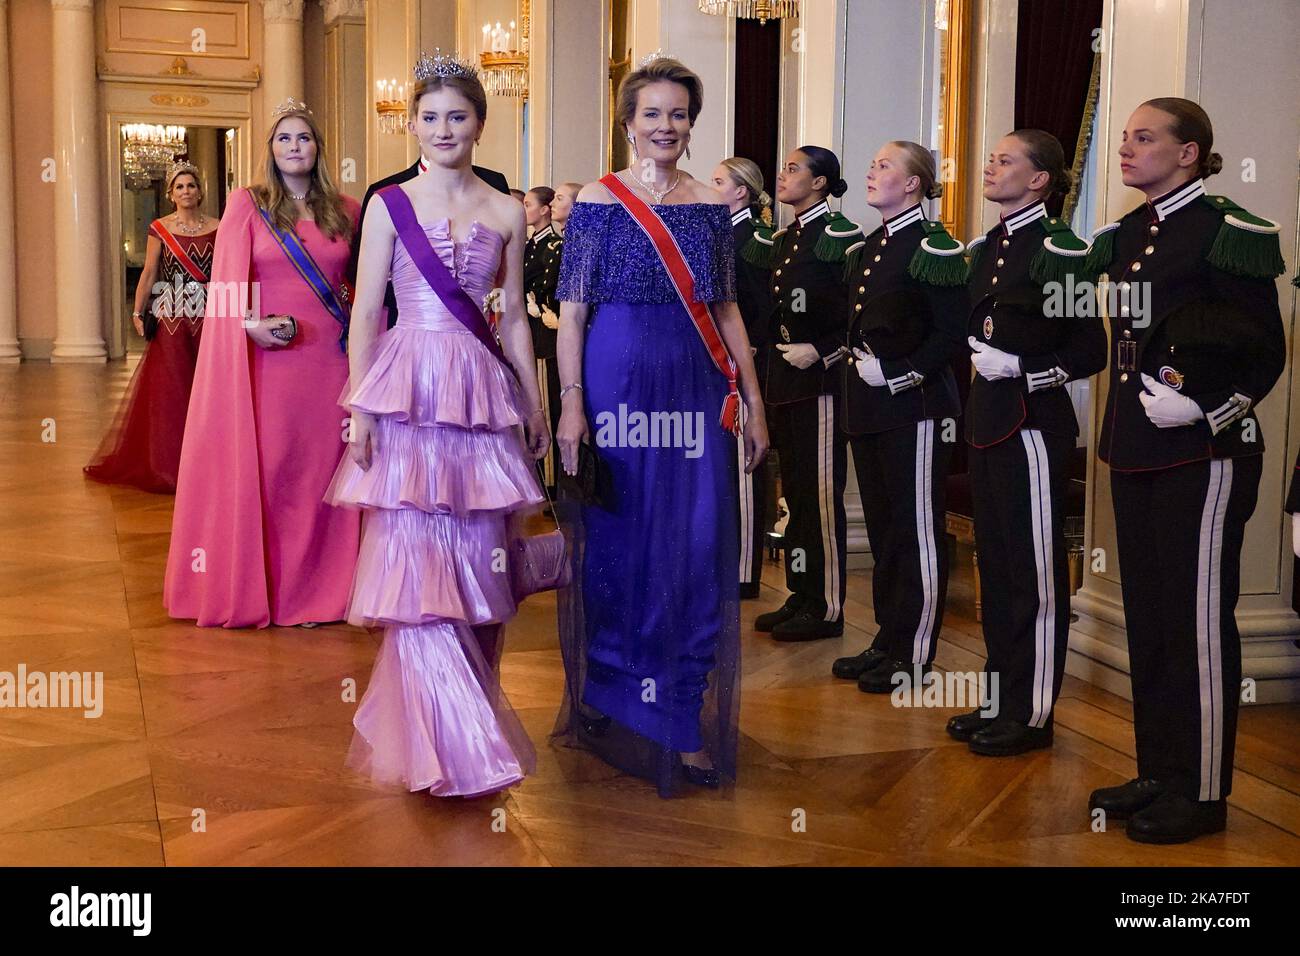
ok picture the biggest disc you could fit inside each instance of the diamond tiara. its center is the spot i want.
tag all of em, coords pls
(442, 65)
(184, 166)
(652, 56)
(291, 105)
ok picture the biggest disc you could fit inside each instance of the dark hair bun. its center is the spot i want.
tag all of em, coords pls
(935, 191)
(839, 189)
(1213, 164)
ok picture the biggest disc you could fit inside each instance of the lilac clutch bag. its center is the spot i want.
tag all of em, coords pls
(539, 562)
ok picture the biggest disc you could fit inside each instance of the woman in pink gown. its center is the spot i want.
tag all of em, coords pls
(252, 541)
(443, 443)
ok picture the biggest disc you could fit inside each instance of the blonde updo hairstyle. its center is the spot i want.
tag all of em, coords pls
(664, 69)
(919, 162)
(745, 172)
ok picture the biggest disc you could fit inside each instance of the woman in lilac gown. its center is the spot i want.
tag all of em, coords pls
(441, 457)
(650, 626)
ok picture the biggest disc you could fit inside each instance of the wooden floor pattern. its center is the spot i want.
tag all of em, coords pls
(249, 727)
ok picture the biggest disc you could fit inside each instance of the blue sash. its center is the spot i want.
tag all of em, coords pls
(301, 260)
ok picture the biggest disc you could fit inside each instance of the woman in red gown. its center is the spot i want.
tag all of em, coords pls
(143, 445)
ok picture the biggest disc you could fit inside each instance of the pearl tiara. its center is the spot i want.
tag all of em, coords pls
(442, 65)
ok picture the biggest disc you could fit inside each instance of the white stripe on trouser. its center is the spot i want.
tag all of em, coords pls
(746, 501)
(925, 542)
(548, 463)
(1040, 519)
(1209, 653)
(826, 503)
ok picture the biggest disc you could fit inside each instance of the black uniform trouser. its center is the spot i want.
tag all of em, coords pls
(814, 465)
(1179, 532)
(548, 383)
(902, 476)
(1018, 493)
(751, 500)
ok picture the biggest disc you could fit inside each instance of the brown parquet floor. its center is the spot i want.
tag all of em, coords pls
(226, 747)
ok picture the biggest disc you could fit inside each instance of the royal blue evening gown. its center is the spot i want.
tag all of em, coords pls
(649, 627)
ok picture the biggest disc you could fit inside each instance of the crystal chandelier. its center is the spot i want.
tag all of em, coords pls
(147, 151)
(390, 104)
(760, 10)
(504, 69)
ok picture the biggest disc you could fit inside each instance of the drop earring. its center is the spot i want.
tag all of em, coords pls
(632, 142)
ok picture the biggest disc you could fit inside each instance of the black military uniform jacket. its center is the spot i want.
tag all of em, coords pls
(752, 298)
(1197, 309)
(907, 295)
(809, 298)
(1022, 280)
(541, 275)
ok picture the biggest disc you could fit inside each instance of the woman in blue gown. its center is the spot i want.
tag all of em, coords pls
(649, 626)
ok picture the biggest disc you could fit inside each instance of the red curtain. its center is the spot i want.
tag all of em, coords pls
(1054, 53)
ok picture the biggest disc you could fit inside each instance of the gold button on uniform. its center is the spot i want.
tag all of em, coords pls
(795, 248)
(1123, 376)
(1155, 230)
(867, 273)
(776, 288)
(787, 261)
(995, 280)
(883, 240)
(858, 307)
(778, 271)
(1148, 250)
(877, 259)
(1005, 243)
(1000, 261)
(1128, 334)
(862, 288)
(1137, 267)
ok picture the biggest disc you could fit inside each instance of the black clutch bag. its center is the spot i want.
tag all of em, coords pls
(593, 484)
(149, 319)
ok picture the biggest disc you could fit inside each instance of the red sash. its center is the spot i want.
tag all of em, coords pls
(670, 254)
(183, 257)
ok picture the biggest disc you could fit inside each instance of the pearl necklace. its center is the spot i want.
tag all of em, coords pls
(656, 194)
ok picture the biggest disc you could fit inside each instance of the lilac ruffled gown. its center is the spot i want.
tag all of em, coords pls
(450, 470)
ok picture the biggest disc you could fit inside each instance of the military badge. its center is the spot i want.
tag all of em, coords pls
(1171, 376)
(988, 326)
(785, 333)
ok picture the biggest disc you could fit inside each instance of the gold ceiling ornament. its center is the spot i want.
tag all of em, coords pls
(504, 68)
(760, 10)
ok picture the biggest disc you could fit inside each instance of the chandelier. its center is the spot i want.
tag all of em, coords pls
(390, 104)
(503, 68)
(760, 10)
(147, 151)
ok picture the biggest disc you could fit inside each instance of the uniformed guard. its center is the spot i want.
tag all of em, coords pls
(1029, 338)
(1198, 342)
(906, 321)
(807, 337)
(740, 182)
(542, 254)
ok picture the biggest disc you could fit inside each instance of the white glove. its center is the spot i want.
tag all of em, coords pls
(1166, 407)
(993, 363)
(1295, 534)
(549, 318)
(799, 354)
(532, 307)
(869, 369)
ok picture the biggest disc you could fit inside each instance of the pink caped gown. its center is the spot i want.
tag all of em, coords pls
(252, 542)
(450, 469)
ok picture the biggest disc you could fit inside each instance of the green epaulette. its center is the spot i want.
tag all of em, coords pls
(834, 242)
(973, 250)
(853, 259)
(1062, 253)
(1246, 245)
(757, 250)
(1101, 250)
(938, 260)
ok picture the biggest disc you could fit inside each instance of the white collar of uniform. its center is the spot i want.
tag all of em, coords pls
(1024, 216)
(903, 220)
(541, 233)
(1180, 197)
(741, 215)
(424, 165)
(820, 209)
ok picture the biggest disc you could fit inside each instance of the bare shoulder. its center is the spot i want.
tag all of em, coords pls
(595, 192)
(702, 192)
(504, 211)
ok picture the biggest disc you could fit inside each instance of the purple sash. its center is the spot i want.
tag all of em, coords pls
(440, 279)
